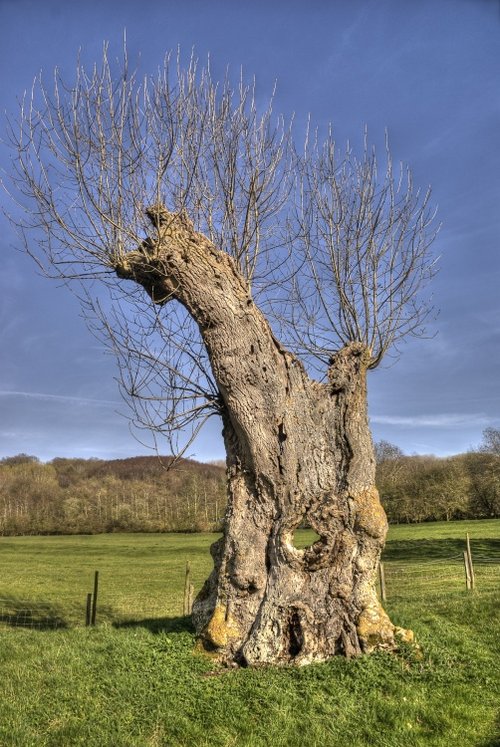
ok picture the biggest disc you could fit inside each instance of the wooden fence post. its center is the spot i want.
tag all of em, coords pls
(467, 571)
(88, 609)
(471, 567)
(381, 577)
(94, 599)
(187, 583)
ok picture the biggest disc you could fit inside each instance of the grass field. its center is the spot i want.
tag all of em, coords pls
(134, 680)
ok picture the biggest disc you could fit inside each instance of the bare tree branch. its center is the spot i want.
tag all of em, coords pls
(333, 252)
(364, 253)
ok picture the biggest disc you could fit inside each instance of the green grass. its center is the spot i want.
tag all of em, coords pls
(141, 575)
(134, 679)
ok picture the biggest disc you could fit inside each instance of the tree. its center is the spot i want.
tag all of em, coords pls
(197, 213)
(444, 489)
(391, 468)
(484, 471)
(18, 459)
(387, 452)
(491, 442)
(484, 475)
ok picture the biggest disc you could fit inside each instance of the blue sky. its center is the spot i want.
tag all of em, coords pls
(428, 71)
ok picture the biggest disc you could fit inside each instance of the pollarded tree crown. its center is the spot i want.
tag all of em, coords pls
(163, 219)
(347, 365)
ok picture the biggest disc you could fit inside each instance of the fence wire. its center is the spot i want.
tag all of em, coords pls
(127, 598)
(409, 579)
(24, 613)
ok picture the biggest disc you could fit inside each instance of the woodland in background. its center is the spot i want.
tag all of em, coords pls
(78, 496)
(427, 488)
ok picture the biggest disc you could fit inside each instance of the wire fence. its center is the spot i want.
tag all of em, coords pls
(111, 607)
(113, 597)
(124, 598)
(458, 572)
(29, 613)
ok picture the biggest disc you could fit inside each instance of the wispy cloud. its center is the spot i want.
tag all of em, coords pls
(60, 398)
(433, 421)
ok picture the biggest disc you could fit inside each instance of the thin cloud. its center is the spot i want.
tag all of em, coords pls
(433, 421)
(59, 398)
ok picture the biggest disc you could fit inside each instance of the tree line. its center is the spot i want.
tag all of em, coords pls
(140, 494)
(427, 488)
(90, 496)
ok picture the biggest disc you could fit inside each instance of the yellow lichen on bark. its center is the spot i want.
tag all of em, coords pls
(375, 629)
(370, 515)
(407, 636)
(222, 628)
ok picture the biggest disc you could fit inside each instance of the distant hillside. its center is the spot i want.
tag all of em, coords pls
(139, 494)
(137, 468)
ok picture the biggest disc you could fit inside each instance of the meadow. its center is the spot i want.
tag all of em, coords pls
(135, 680)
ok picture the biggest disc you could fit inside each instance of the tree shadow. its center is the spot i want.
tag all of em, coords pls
(493, 741)
(157, 625)
(34, 615)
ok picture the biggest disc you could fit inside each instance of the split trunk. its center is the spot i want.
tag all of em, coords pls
(299, 453)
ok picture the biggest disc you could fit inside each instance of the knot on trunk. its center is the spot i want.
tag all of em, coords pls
(169, 223)
(348, 365)
(149, 271)
(221, 630)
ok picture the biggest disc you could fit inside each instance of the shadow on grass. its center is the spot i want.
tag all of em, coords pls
(36, 615)
(495, 740)
(159, 624)
(439, 549)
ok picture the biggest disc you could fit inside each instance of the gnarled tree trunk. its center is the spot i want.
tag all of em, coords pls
(297, 451)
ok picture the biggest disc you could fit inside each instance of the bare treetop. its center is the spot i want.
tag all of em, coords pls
(364, 242)
(334, 252)
(93, 154)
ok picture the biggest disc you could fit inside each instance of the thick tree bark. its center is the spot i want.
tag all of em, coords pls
(297, 451)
